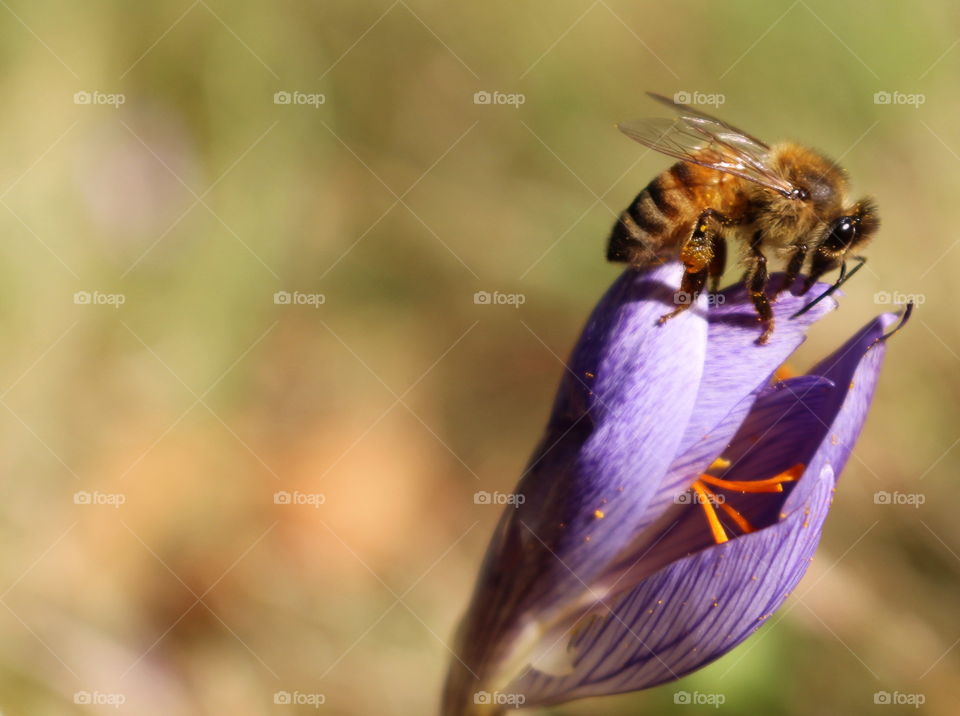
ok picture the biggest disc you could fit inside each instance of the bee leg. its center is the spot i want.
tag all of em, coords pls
(797, 258)
(718, 263)
(697, 255)
(690, 287)
(823, 261)
(757, 284)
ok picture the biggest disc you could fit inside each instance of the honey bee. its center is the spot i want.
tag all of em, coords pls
(786, 200)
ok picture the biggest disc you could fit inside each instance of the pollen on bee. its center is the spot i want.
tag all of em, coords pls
(599, 514)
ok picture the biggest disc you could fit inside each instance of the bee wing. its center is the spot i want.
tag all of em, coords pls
(698, 138)
(688, 111)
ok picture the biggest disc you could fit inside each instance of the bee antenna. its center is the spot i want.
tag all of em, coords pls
(904, 317)
(841, 279)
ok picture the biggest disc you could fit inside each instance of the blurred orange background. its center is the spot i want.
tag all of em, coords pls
(241, 247)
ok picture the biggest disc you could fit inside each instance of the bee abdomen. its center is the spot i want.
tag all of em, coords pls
(643, 226)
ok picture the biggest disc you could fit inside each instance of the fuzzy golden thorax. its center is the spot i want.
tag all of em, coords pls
(784, 221)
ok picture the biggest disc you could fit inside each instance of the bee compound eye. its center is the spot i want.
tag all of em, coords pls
(842, 234)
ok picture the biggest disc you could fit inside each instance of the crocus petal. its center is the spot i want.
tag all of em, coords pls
(618, 420)
(735, 368)
(764, 445)
(735, 373)
(699, 607)
(629, 389)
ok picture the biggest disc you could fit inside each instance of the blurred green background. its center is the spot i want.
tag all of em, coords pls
(146, 559)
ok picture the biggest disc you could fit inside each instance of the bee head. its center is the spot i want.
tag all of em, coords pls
(852, 228)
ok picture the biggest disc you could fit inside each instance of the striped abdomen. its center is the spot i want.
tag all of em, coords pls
(658, 219)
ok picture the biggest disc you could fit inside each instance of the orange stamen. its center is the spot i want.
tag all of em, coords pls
(719, 535)
(741, 521)
(721, 463)
(770, 484)
(745, 486)
(708, 498)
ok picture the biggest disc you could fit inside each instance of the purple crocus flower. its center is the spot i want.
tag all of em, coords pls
(675, 500)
